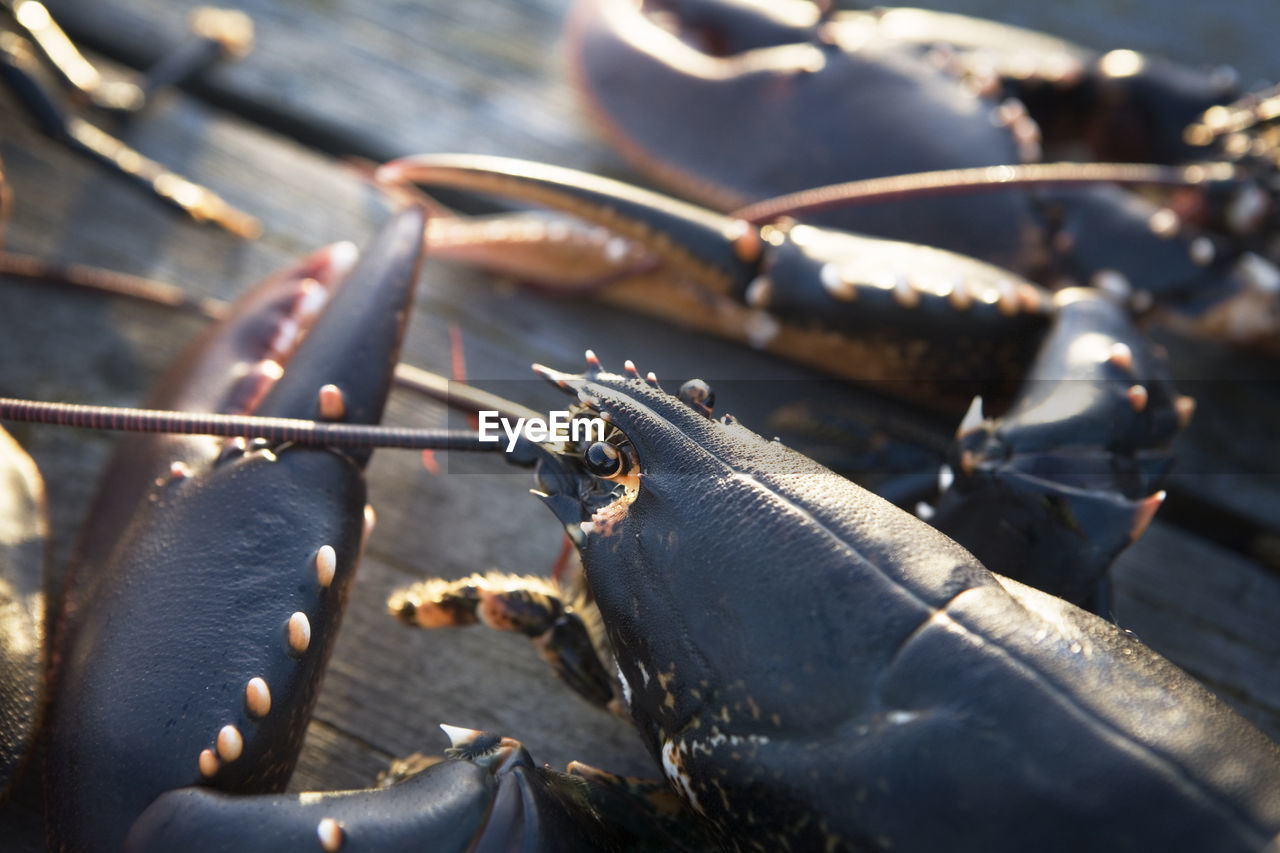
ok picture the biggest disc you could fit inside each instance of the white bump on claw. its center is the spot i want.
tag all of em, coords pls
(1137, 397)
(257, 697)
(326, 565)
(1120, 355)
(331, 403)
(836, 284)
(760, 290)
(616, 250)
(1113, 283)
(209, 763)
(299, 632)
(904, 294)
(960, 298)
(230, 743)
(329, 831)
(1202, 251)
(1121, 63)
(1164, 223)
(1007, 303)
(1185, 407)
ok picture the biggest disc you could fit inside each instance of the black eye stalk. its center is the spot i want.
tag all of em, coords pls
(606, 461)
(698, 396)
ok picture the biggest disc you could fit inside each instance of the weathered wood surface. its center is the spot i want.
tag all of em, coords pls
(387, 78)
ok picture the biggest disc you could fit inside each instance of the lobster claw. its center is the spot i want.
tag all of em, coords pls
(680, 88)
(191, 653)
(1071, 468)
(864, 309)
(489, 795)
(23, 531)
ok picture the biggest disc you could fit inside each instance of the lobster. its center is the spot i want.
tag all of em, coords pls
(1007, 696)
(786, 97)
(497, 771)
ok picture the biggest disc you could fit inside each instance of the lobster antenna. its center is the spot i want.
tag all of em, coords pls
(274, 430)
(456, 395)
(983, 179)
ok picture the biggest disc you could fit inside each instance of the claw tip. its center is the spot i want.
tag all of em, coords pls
(972, 418)
(459, 737)
(1146, 511)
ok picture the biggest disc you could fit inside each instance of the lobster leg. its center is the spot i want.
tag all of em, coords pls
(196, 655)
(23, 531)
(532, 606)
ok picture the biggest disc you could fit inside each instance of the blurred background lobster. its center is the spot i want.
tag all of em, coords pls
(523, 313)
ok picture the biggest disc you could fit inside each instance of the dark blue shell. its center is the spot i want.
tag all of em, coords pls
(814, 666)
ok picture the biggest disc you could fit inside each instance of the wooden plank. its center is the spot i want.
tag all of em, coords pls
(485, 77)
(1209, 611)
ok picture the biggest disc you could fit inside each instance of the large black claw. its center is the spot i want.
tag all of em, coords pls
(193, 653)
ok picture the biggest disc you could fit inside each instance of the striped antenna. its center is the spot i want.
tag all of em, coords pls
(983, 179)
(274, 430)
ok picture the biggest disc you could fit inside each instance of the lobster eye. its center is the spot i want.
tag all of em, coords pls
(698, 396)
(604, 460)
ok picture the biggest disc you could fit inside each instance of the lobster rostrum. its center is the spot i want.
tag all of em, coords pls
(734, 101)
(1078, 459)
